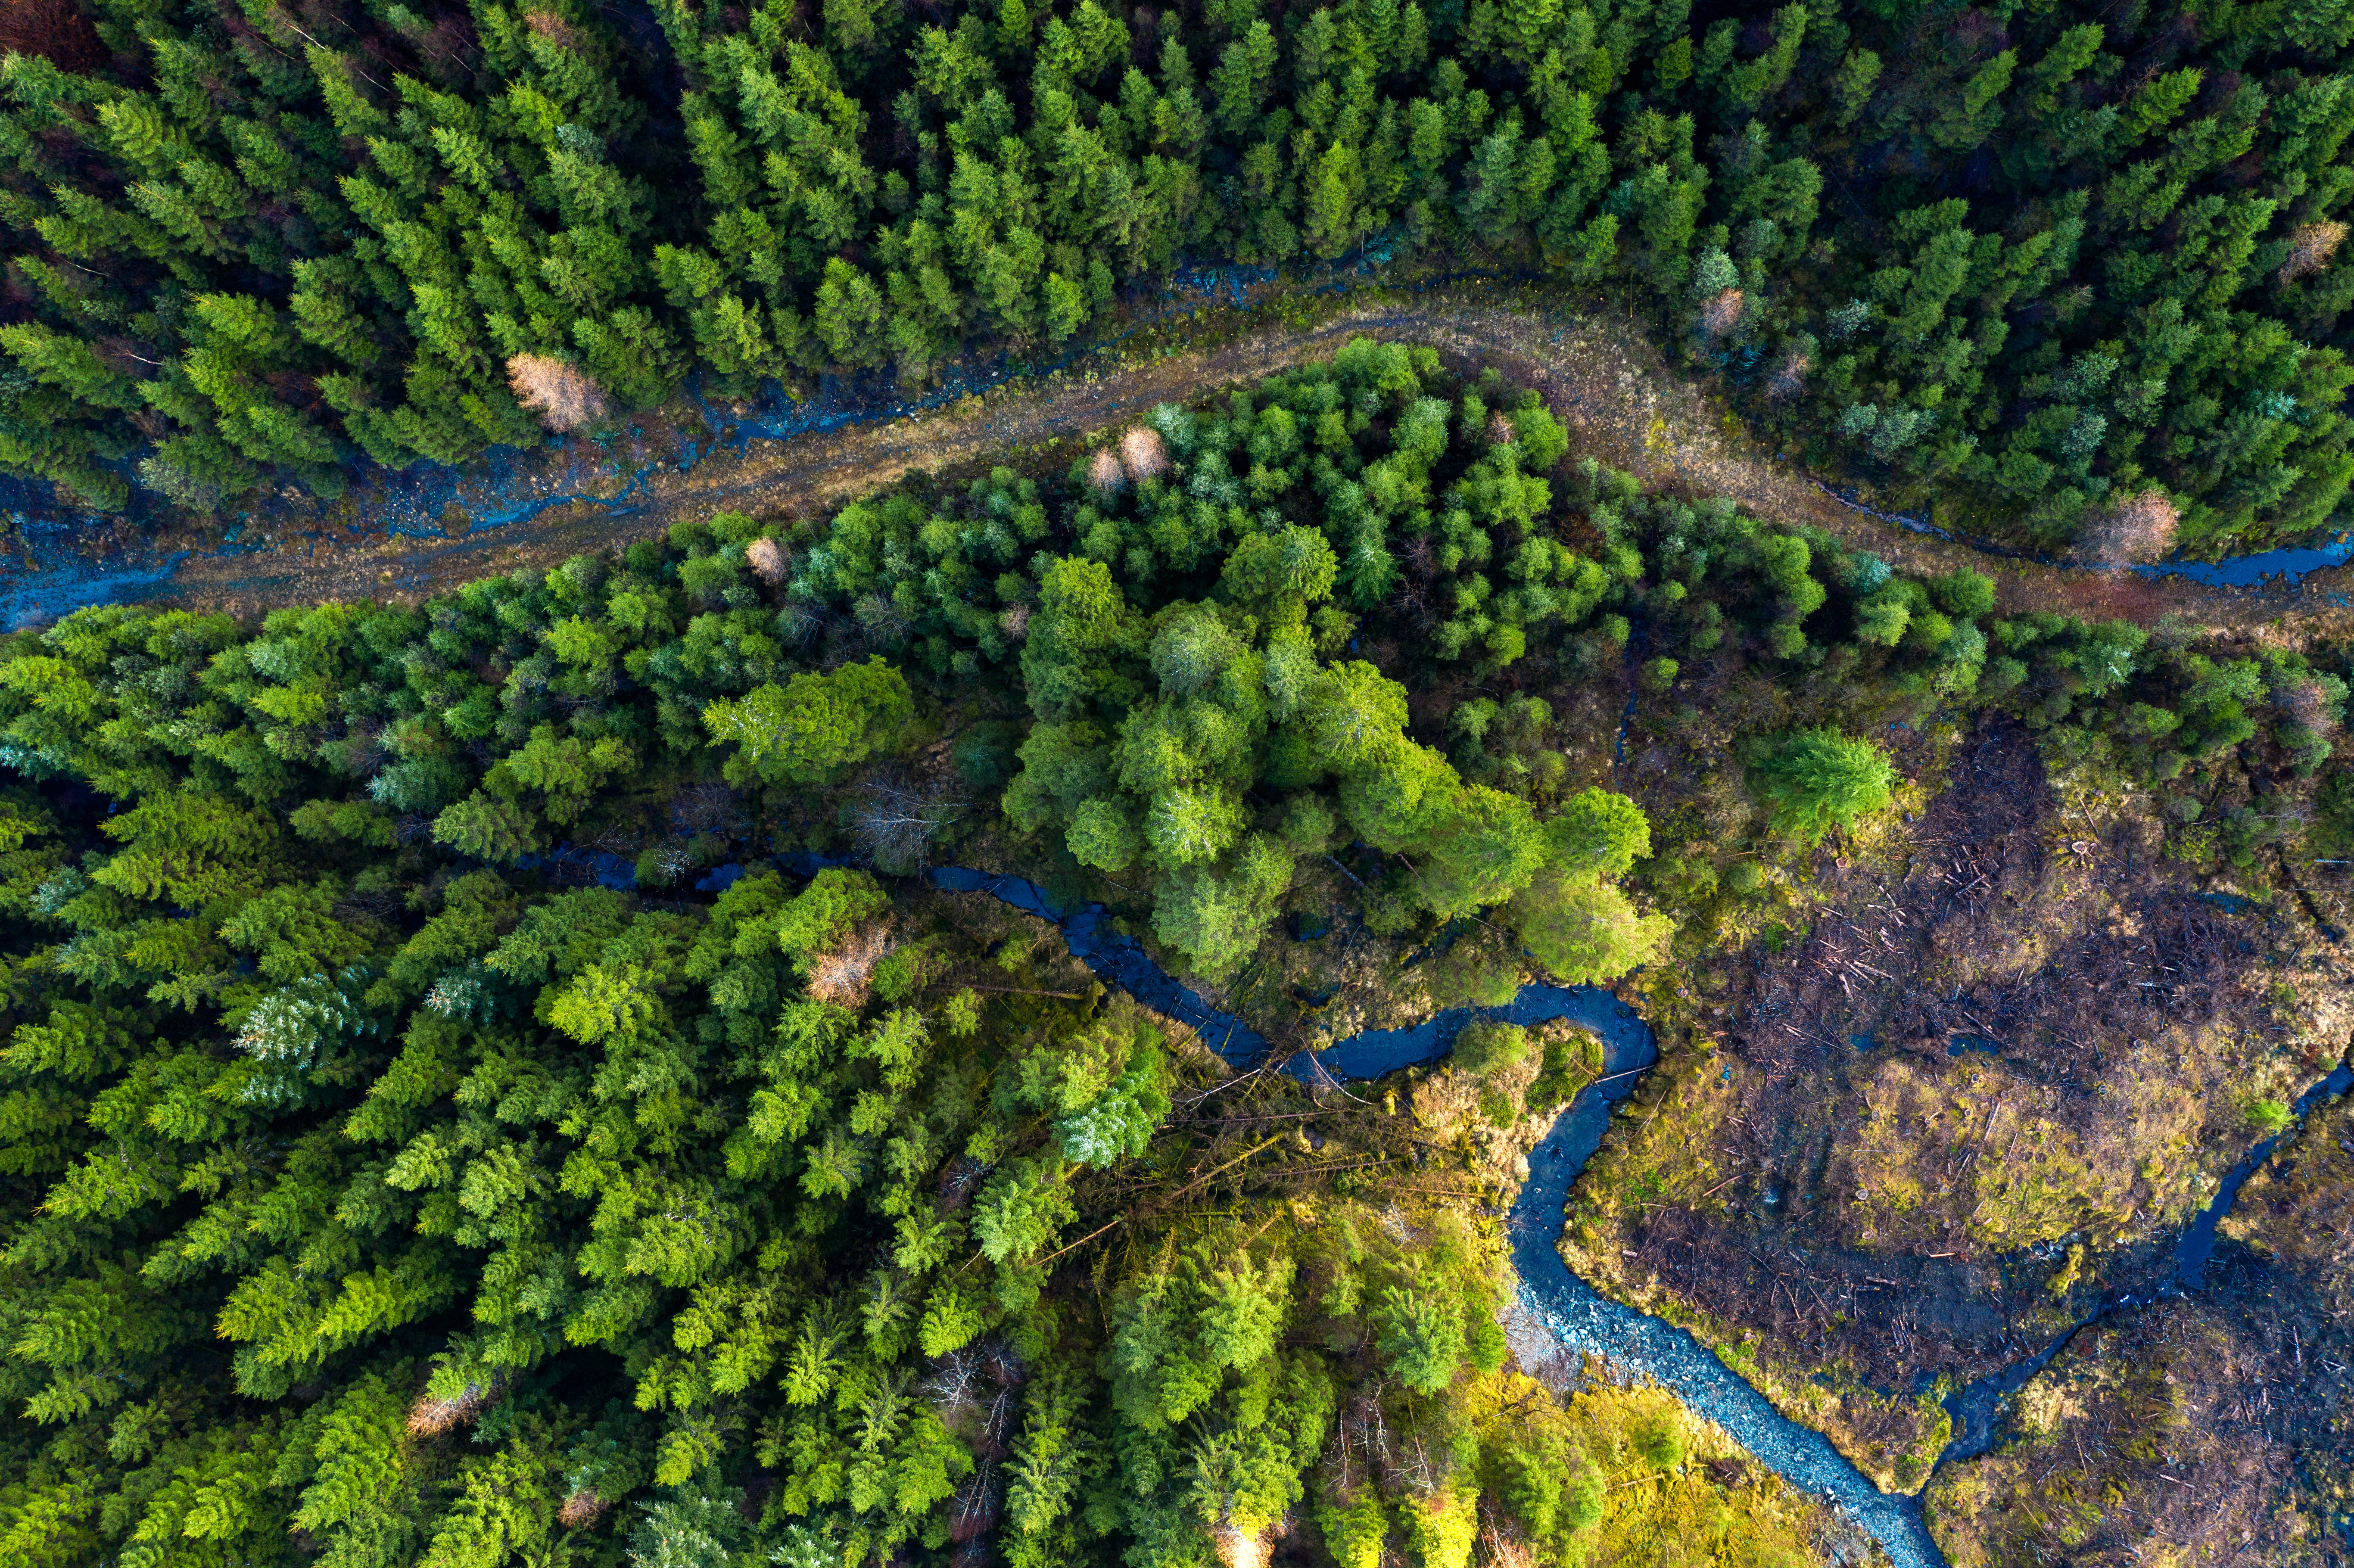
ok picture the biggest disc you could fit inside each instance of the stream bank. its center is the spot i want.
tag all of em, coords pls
(1577, 1315)
(407, 536)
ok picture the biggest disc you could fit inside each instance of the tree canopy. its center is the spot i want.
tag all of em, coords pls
(814, 726)
(1818, 779)
(445, 1118)
(2076, 266)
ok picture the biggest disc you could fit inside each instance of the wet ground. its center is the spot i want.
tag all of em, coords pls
(408, 536)
(1998, 1073)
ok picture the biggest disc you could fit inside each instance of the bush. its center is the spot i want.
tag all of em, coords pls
(1659, 1439)
(1585, 931)
(1478, 968)
(2332, 833)
(811, 728)
(984, 755)
(1484, 1047)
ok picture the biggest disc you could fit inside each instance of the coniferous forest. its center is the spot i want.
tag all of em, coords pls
(382, 1187)
(2077, 268)
(486, 1080)
(447, 1118)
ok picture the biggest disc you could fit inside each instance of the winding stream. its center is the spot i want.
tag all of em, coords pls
(1973, 1407)
(59, 580)
(1579, 1315)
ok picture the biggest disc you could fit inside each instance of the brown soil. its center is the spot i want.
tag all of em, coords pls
(1623, 405)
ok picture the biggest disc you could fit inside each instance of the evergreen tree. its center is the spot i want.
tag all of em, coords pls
(1818, 779)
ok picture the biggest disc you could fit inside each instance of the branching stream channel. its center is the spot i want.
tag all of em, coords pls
(1579, 1315)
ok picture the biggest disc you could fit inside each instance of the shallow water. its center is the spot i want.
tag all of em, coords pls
(1973, 1407)
(1119, 959)
(1581, 1317)
(1584, 1319)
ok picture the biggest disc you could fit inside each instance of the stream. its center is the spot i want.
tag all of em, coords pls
(419, 500)
(1579, 1315)
(2288, 564)
(1973, 1407)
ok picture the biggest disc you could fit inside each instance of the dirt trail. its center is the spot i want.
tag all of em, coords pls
(1600, 373)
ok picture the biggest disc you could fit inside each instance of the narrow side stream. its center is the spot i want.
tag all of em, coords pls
(500, 491)
(1973, 1408)
(1579, 1315)
(1582, 1318)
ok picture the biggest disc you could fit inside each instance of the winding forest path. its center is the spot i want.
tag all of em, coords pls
(1600, 373)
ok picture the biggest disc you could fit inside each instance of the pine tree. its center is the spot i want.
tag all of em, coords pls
(813, 725)
(1818, 779)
